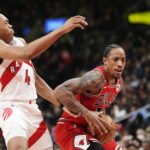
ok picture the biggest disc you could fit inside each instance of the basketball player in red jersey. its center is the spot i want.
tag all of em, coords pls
(87, 95)
(20, 119)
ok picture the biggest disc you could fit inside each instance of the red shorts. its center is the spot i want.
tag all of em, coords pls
(112, 145)
(71, 136)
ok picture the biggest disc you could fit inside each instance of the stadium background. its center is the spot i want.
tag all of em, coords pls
(79, 51)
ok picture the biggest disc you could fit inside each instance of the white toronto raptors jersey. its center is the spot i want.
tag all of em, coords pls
(17, 80)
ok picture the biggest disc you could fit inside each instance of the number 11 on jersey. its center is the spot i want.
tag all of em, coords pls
(27, 77)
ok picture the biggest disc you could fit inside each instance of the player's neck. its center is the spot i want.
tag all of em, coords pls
(6, 41)
(1, 60)
(111, 80)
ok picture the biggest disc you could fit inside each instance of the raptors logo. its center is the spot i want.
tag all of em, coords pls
(6, 113)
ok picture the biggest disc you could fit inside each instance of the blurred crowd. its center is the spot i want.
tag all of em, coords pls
(80, 51)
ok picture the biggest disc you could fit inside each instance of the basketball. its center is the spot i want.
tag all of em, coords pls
(106, 137)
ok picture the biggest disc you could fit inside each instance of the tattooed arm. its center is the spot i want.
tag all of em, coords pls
(92, 82)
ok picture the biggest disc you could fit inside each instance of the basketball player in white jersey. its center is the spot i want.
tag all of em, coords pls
(20, 119)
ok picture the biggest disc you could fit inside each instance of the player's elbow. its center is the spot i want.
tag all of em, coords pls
(58, 92)
(24, 55)
(61, 93)
(27, 55)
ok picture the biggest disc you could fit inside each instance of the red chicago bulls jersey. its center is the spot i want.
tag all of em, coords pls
(99, 101)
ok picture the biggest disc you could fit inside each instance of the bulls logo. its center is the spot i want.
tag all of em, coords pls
(105, 99)
(80, 141)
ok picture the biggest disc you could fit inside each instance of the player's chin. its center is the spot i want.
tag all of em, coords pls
(9, 37)
(117, 75)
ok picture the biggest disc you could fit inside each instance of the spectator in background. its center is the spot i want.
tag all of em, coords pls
(146, 144)
(140, 134)
(147, 132)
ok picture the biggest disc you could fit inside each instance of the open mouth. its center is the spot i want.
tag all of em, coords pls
(12, 31)
(118, 70)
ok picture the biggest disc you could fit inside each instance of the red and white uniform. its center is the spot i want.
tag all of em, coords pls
(19, 113)
(70, 133)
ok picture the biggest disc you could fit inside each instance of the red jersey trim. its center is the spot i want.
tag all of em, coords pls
(37, 134)
(28, 63)
(101, 68)
(7, 76)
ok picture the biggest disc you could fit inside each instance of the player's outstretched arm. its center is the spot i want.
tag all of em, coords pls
(45, 91)
(91, 81)
(38, 46)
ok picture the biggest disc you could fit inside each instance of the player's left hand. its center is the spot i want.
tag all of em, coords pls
(74, 22)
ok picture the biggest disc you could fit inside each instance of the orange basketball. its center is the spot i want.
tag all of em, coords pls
(106, 137)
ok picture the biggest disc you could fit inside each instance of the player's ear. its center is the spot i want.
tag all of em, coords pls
(104, 60)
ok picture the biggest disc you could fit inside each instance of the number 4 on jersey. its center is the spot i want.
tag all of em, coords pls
(27, 77)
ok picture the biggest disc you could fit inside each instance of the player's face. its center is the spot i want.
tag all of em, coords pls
(115, 62)
(6, 31)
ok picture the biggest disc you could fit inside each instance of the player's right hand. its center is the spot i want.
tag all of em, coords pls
(74, 22)
(94, 121)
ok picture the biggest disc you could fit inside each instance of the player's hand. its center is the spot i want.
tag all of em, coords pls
(74, 22)
(94, 121)
(70, 113)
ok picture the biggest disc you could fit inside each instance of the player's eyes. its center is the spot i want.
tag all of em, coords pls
(6, 22)
(123, 60)
(115, 59)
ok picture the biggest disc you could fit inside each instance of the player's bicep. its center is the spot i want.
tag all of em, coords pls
(37, 78)
(89, 81)
(71, 85)
(92, 80)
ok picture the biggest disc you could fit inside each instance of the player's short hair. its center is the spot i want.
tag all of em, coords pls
(1, 14)
(109, 48)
